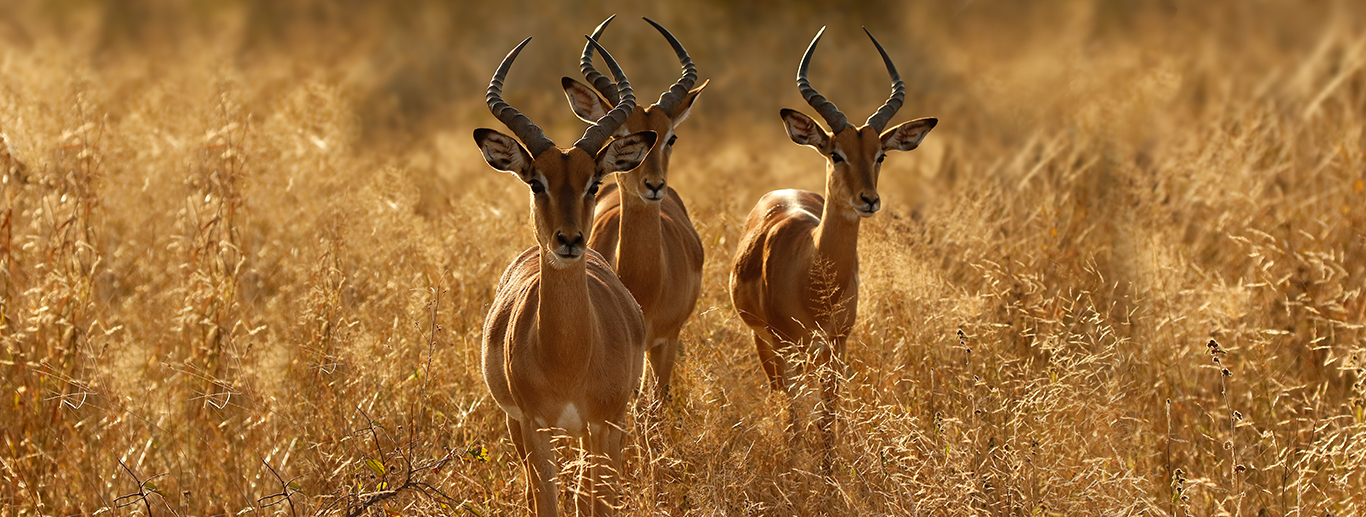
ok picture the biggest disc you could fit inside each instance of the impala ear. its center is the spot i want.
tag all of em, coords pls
(907, 136)
(803, 130)
(625, 153)
(503, 152)
(586, 102)
(684, 107)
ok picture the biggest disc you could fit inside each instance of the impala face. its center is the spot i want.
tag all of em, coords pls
(854, 156)
(563, 185)
(648, 180)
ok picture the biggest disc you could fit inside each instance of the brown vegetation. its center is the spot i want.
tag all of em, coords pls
(246, 249)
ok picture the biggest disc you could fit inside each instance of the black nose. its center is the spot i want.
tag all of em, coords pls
(576, 242)
(655, 188)
(871, 202)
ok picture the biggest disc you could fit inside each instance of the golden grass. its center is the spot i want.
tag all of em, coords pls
(226, 225)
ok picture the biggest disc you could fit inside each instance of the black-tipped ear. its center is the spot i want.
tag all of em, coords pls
(684, 107)
(907, 136)
(626, 153)
(803, 130)
(586, 103)
(503, 152)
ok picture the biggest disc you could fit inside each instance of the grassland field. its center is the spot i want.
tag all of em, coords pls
(246, 249)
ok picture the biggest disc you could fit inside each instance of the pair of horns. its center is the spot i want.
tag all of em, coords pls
(532, 135)
(669, 99)
(827, 109)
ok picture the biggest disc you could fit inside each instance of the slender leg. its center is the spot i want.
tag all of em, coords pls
(774, 364)
(597, 494)
(583, 491)
(830, 362)
(515, 429)
(662, 362)
(609, 479)
(542, 470)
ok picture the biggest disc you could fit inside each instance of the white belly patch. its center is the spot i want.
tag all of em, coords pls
(570, 420)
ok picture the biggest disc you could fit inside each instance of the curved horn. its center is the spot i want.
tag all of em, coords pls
(521, 126)
(601, 83)
(884, 114)
(670, 99)
(598, 134)
(825, 108)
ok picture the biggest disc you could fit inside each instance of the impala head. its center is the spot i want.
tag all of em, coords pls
(648, 180)
(854, 154)
(563, 182)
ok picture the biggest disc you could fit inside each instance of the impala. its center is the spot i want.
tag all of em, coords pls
(641, 226)
(563, 339)
(794, 280)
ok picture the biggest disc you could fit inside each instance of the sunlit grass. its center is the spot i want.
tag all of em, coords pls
(246, 250)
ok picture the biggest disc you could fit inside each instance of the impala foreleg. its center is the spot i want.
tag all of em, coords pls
(830, 366)
(515, 429)
(662, 357)
(541, 469)
(775, 366)
(597, 493)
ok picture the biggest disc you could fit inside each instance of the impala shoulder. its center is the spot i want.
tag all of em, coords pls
(524, 268)
(603, 276)
(791, 203)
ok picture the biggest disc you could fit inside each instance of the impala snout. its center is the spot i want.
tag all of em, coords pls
(868, 204)
(653, 192)
(570, 248)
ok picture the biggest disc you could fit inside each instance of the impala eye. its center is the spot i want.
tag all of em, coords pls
(536, 187)
(672, 139)
(593, 190)
(835, 157)
(880, 158)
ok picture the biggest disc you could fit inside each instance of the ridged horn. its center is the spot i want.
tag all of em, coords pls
(598, 133)
(824, 108)
(884, 114)
(668, 100)
(600, 83)
(530, 134)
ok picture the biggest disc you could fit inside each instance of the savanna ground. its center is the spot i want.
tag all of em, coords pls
(246, 249)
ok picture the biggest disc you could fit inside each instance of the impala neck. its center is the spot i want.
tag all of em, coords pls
(565, 318)
(837, 239)
(639, 247)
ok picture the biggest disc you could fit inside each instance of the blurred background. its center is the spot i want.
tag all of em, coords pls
(248, 245)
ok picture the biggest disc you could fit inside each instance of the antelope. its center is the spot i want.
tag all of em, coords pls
(794, 280)
(563, 339)
(641, 225)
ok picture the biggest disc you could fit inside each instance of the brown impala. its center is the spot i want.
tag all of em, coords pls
(563, 339)
(641, 226)
(795, 276)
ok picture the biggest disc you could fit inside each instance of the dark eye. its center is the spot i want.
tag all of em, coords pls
(880, 158)
(672, 139)
(835, 157)
(593, 190)
(536, 187)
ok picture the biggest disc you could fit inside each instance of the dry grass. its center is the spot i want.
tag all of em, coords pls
(225, 226)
